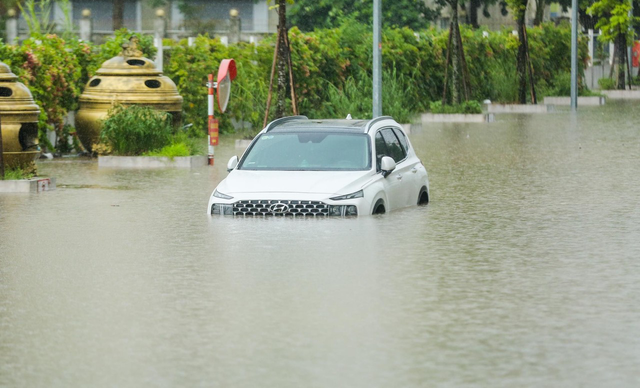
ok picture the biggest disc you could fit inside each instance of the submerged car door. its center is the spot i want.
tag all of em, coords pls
(388, 143)
(415, 179)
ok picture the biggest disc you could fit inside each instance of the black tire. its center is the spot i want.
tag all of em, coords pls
(379, 207)
(423, 196)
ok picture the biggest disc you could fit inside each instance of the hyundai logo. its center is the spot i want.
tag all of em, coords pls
(279, 208)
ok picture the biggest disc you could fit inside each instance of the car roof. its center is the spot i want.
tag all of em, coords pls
(301, 123)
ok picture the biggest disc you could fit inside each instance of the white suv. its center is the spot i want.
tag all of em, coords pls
(319, 168)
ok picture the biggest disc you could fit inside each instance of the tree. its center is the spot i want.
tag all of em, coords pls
(475, 5)
(523, 61)
(587, 21)
(455, 56)
(118, 14)
(310, 14)
(6, 5)
(191, 12)
(282, 60)
(616, 26)
(281, 55)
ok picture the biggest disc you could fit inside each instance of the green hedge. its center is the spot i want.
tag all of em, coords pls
(332, 70)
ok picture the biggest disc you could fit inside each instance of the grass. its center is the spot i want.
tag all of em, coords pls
(181, 145)
(18, 173)
(171, 151)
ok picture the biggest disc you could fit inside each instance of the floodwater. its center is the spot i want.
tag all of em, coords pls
(524, 271)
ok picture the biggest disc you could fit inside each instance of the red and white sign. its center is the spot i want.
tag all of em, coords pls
(214, 134)
(226, 73)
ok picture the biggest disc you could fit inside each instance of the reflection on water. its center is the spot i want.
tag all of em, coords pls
(523, 271)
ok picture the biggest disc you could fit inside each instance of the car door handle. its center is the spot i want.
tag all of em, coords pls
(399, 177)
(414, 170)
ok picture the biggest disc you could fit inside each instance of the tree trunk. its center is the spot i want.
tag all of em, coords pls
(282, 60)
(474, 5)
(532, 83)
(521, 61)
(621, 47)
(455, 54)
(539, 12)
(588, 22)
(118, 14)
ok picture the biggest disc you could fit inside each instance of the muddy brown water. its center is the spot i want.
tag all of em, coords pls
(524, 271)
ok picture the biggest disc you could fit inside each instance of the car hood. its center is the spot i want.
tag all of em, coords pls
(310, 182)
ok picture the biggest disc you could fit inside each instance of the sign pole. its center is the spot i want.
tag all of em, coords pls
(226, 73)
(1, 153)
(574, 55)
(212, 123)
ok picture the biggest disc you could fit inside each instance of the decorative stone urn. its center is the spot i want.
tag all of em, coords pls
(19, 118)
(127, 79)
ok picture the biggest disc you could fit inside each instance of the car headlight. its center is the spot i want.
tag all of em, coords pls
(218, 194)
(357, 194)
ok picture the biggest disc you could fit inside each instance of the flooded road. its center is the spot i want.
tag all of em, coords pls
(524, 271)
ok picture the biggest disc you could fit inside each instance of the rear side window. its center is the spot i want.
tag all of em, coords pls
(402, 138)
(394, 149)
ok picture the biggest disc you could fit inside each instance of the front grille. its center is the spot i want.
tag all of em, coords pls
(275, 207)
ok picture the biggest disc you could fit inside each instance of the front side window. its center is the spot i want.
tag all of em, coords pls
(381, 150)
(309, 151)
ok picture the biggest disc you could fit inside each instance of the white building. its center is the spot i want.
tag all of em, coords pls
(256, 17)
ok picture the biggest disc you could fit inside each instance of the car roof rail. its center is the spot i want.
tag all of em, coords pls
(375, 120)
(283, 120)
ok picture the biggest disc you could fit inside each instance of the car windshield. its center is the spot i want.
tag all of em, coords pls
(309, 151)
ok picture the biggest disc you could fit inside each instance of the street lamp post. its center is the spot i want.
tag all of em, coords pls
(574, 55)
(377, 61)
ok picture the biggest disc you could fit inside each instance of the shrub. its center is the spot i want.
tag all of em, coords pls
(607, 84)
(135, 130)
(467, 107)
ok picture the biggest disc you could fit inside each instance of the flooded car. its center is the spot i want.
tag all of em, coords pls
(321, 168)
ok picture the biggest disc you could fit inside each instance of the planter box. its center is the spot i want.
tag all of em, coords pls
(519, 108)
(582, 101)
(621, 94)
(457, 118)
(151, 161)
(34, 185)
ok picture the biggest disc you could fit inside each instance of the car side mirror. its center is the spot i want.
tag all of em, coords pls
(387, 165)
(233, 162)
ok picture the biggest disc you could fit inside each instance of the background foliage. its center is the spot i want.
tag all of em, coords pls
(332, 71)
(51, 68)
(312, 14)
